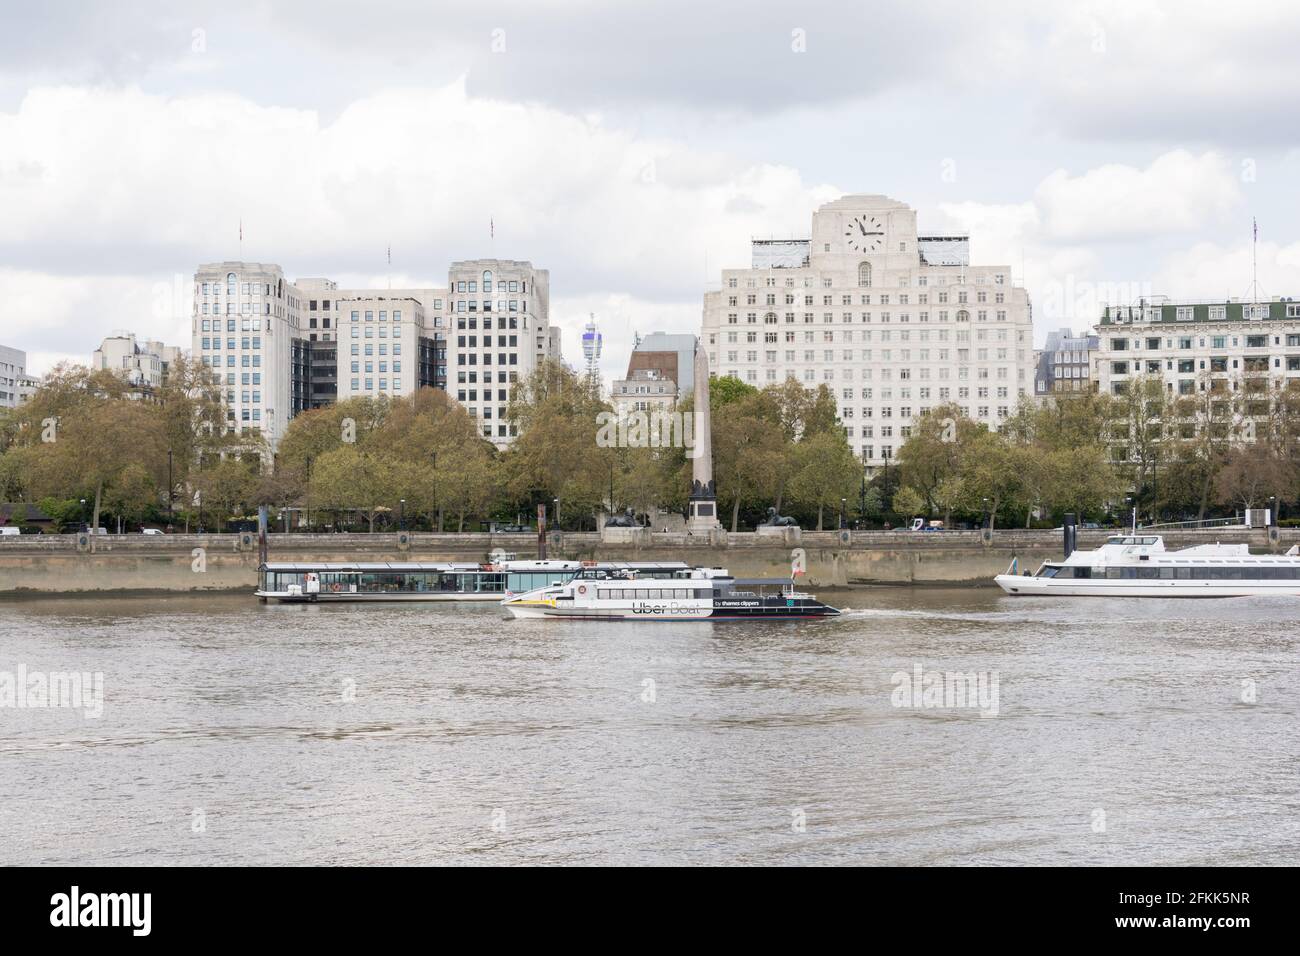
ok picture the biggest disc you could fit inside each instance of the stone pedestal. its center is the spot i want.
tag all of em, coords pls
(788, 536)
(637, 537)
(703, 514)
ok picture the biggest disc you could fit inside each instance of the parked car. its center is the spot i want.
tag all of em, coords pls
(150, 531)
(9, 531)
(920, 524)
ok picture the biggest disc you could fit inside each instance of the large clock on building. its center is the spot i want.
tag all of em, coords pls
(865, 234)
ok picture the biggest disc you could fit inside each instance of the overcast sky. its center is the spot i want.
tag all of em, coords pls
(1100, 149)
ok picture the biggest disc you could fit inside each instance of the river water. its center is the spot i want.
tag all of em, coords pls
(1095, 732)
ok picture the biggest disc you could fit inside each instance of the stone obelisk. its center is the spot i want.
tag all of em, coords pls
(703, 514)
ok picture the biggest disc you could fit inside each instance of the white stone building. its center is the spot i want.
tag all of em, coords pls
(141, 363)
(282, 347)
(1241, 349)
(247, 318)
(893, 322)
(13, 371)
(499, 310)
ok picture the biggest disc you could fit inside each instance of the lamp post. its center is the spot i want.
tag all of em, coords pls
(988, 518)
(85, 522)
(171, 488)
(862, 503)
(557, 513)
(843, 516)
(401, 514)
(1133, 501)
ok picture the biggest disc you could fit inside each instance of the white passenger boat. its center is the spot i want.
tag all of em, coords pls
(1139, 566)
(694, 594)
(425, 581)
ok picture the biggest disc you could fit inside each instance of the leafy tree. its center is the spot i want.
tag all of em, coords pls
(348, 479)
(826, 472)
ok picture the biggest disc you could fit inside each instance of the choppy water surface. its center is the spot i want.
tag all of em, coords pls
(234, 732)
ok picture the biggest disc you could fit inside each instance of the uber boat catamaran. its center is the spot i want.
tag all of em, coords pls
(692, 594)
(423, 581)
(1139, 566)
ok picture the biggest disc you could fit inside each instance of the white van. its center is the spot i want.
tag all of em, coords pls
(9, 531)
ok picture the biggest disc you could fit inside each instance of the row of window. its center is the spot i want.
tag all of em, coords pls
(846, 335)
(1197, 573)
(255, 342)
(233, 287)
(846, 374)
(887, 431)
(751, 318)
(236, 325)
(472, 358)
(864, 271)
(1215, 364)
(245, 361)
(370, 367)
(370, 384)
(383, 315)
(867, 355)
(502, 285)
(652, 594)
(882, 299)
(1216, 342)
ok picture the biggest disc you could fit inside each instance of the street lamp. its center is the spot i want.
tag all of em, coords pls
(1132, 499)
(557, 513)
(401, 514)
(85, 522)
(843, 516)
(171, 488)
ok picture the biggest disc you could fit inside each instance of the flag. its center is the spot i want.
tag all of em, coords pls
(390, 253)
(241, 229)
(492, 229)
(1254, 223)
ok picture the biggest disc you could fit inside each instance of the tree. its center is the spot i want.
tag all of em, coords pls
(826, 472)
(557, 454)
(909, 501)
(347, 479)
(224, 488)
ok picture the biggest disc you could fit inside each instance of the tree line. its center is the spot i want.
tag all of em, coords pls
(167, 455)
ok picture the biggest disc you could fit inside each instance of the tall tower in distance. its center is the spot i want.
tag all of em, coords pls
(591, 344)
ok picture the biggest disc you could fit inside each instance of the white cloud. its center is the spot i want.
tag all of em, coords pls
(1221, 271)
(1175, 193)
(129, 174)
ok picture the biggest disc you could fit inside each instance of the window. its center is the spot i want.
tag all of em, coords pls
(864, 275)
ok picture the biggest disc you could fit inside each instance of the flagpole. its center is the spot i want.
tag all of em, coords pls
(1254, 260)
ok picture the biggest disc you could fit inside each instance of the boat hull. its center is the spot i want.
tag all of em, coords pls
(1025, 586)
(369, 597)
(560, 611)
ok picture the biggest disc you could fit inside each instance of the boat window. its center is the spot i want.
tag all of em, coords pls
(1051, 572)
(1148, 572)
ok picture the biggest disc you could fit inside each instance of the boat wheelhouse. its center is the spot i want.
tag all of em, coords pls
(1139, 566)
(426, 581)
(692, 594)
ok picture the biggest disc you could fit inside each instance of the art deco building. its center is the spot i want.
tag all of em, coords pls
(281, 347)
(892, 321)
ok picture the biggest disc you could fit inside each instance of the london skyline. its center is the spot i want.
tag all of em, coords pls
(603, 146)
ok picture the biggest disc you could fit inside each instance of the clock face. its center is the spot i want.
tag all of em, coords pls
(865, 234)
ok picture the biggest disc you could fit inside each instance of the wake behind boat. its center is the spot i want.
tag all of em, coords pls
(696, 594)
(1139, 566)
